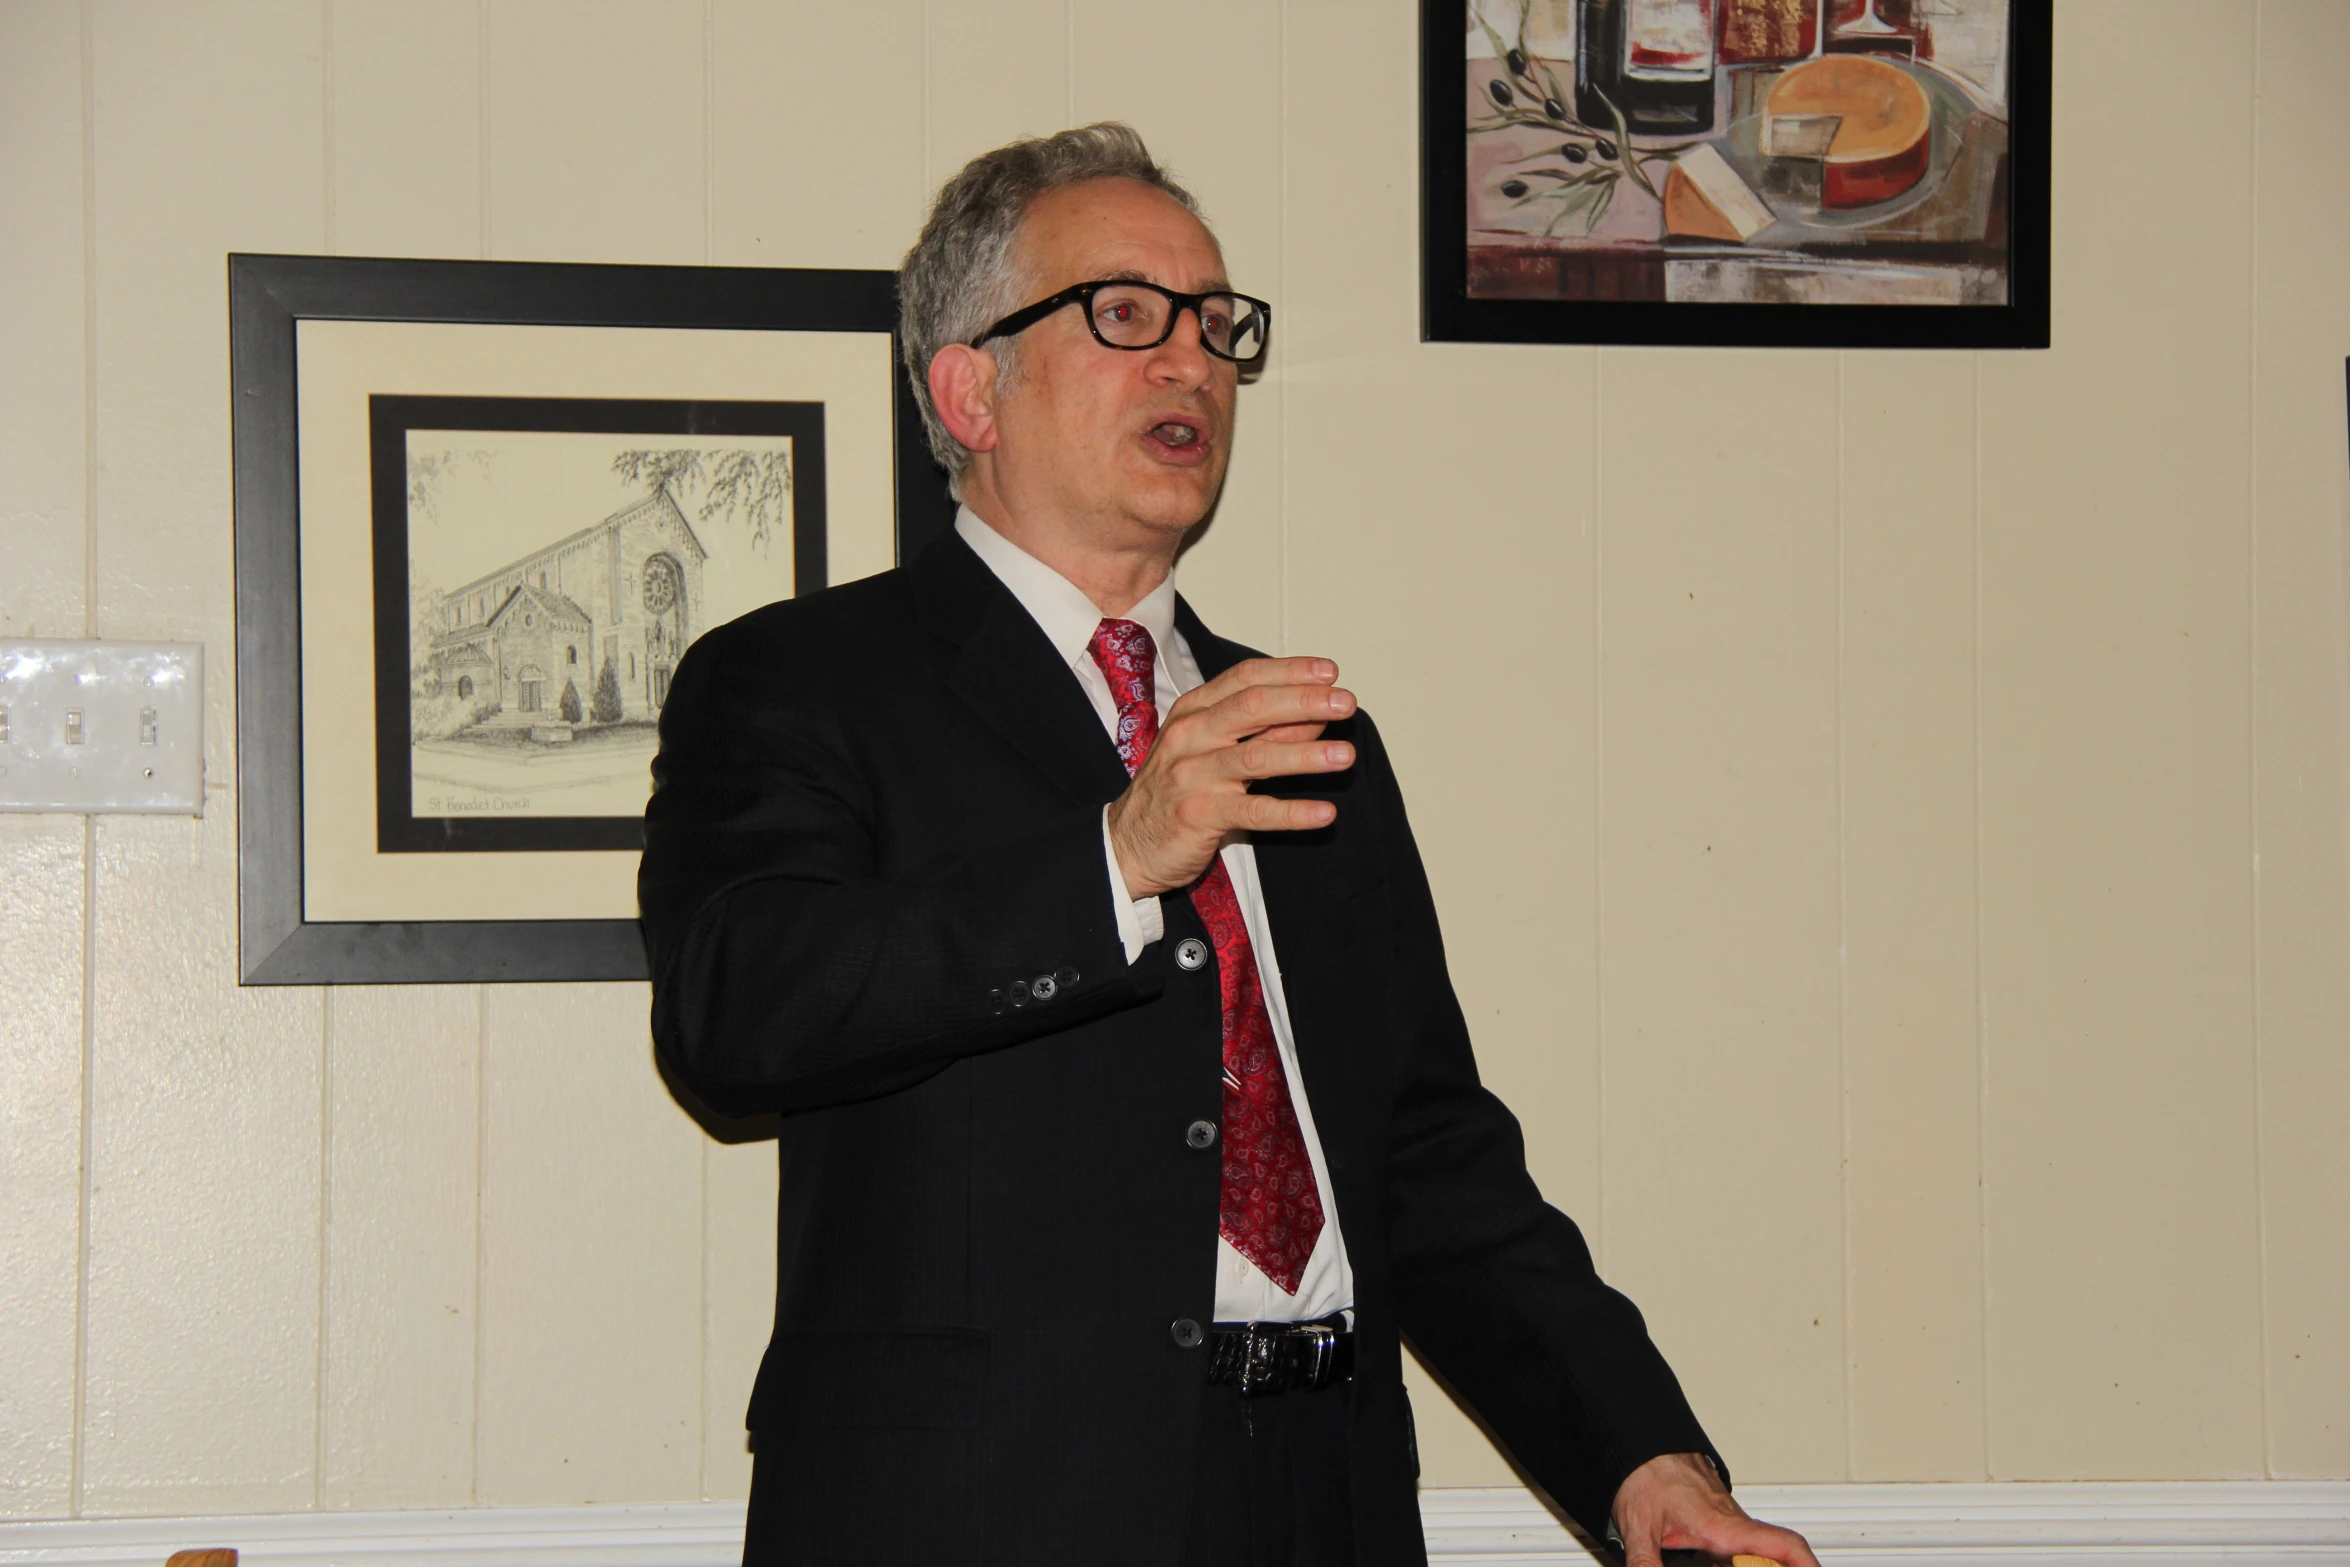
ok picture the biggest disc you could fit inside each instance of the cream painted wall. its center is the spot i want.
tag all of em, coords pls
(1888, 808)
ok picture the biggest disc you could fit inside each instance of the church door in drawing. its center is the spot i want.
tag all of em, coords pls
(533, 683)
(665, 624)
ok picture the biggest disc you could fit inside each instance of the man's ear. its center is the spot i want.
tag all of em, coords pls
(962, 389)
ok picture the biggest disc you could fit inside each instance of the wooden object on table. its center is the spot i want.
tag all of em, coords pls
(218, 1556)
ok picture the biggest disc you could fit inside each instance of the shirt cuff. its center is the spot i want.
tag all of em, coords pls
(1140, 921)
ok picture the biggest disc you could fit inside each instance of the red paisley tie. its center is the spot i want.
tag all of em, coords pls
(1271, 1210)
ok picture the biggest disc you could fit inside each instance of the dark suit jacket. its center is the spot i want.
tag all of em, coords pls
(876, 809)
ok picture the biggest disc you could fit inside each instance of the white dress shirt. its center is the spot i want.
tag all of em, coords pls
(1068, 619)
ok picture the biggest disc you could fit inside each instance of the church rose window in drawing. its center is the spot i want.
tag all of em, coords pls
(665, 628)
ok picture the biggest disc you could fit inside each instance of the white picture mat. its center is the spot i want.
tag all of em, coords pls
(339, 365)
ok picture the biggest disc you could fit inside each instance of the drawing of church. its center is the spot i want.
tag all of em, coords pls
(620, 595)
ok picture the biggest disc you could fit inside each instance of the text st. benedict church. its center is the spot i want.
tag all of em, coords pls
(619, 595)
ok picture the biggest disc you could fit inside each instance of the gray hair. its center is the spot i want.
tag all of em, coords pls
(959, 278)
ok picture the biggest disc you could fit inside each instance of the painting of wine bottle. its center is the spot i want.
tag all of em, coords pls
(1804, 171)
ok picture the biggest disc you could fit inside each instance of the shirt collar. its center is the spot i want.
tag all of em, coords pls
(1058, 606)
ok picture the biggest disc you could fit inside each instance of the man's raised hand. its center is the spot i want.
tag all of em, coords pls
(1259, 719)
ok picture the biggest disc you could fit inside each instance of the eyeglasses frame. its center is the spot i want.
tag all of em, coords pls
(1022, 319)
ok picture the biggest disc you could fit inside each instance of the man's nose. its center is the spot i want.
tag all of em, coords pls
(1183, 357)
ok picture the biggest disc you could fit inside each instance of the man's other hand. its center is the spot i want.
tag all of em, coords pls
(1676, 1502)
(1259, 719)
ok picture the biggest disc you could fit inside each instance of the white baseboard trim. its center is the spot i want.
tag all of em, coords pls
(2256, 1523)
(2247, 1523)
(676, 1534)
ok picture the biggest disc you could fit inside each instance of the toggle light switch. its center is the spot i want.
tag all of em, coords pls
(102, 726)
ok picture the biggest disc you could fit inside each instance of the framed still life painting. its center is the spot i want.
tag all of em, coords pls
(482, 510)
(1808, 173)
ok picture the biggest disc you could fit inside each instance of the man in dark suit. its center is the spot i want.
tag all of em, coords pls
(1128, 1121)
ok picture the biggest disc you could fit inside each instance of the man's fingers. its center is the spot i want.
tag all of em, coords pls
(1790, 1550)
(1271, 813)
(1297, 675)
(1262, 758)
(1259, 708)
(1257, 672)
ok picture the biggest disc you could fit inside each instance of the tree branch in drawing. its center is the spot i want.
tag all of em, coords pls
(751, 487)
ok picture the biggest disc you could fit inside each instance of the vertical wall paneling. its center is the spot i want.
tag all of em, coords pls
(405, 161)
(1722, 1050)
(738, 1303)
(818, 141)
(43, 538)
(202, 1350)
(397, 1399)
(592, 1319)
(42, 527)
(597, 132)
(403, 1067)
(40, 1155)
(996, 69)
(2302, 333)
(2123, 1322)
(1913, 1177)
(599, 135)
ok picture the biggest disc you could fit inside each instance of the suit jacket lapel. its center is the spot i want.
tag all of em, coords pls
(1008, 674)
(1211, 652)
(1300, 901)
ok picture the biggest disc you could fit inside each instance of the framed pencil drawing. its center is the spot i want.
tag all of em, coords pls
(482, 509)
(1791, 173)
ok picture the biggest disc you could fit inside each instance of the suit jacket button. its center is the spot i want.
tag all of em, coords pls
(1065, 977)
(1019, 992)
(1186, 1333)
(995, 1001)
(1191, 954)
(1200, 1134)
(1042, 987)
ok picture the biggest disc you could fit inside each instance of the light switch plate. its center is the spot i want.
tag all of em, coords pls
(102, 726)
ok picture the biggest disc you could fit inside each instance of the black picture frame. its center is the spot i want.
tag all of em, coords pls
(268, 296)
(1449, 314)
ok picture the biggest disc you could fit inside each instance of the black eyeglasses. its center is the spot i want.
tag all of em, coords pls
(1136, 316)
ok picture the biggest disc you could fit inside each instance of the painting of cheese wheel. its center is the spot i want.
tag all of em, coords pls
(1875, 120)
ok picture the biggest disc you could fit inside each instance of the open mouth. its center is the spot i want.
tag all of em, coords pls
(1177, 434)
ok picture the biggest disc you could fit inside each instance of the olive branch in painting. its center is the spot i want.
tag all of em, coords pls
(752, 485)
(1519, 99)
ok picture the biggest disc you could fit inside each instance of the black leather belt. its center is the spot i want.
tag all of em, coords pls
(1258, 1358)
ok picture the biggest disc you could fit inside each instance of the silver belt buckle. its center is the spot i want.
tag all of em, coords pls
(1325, 1345)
